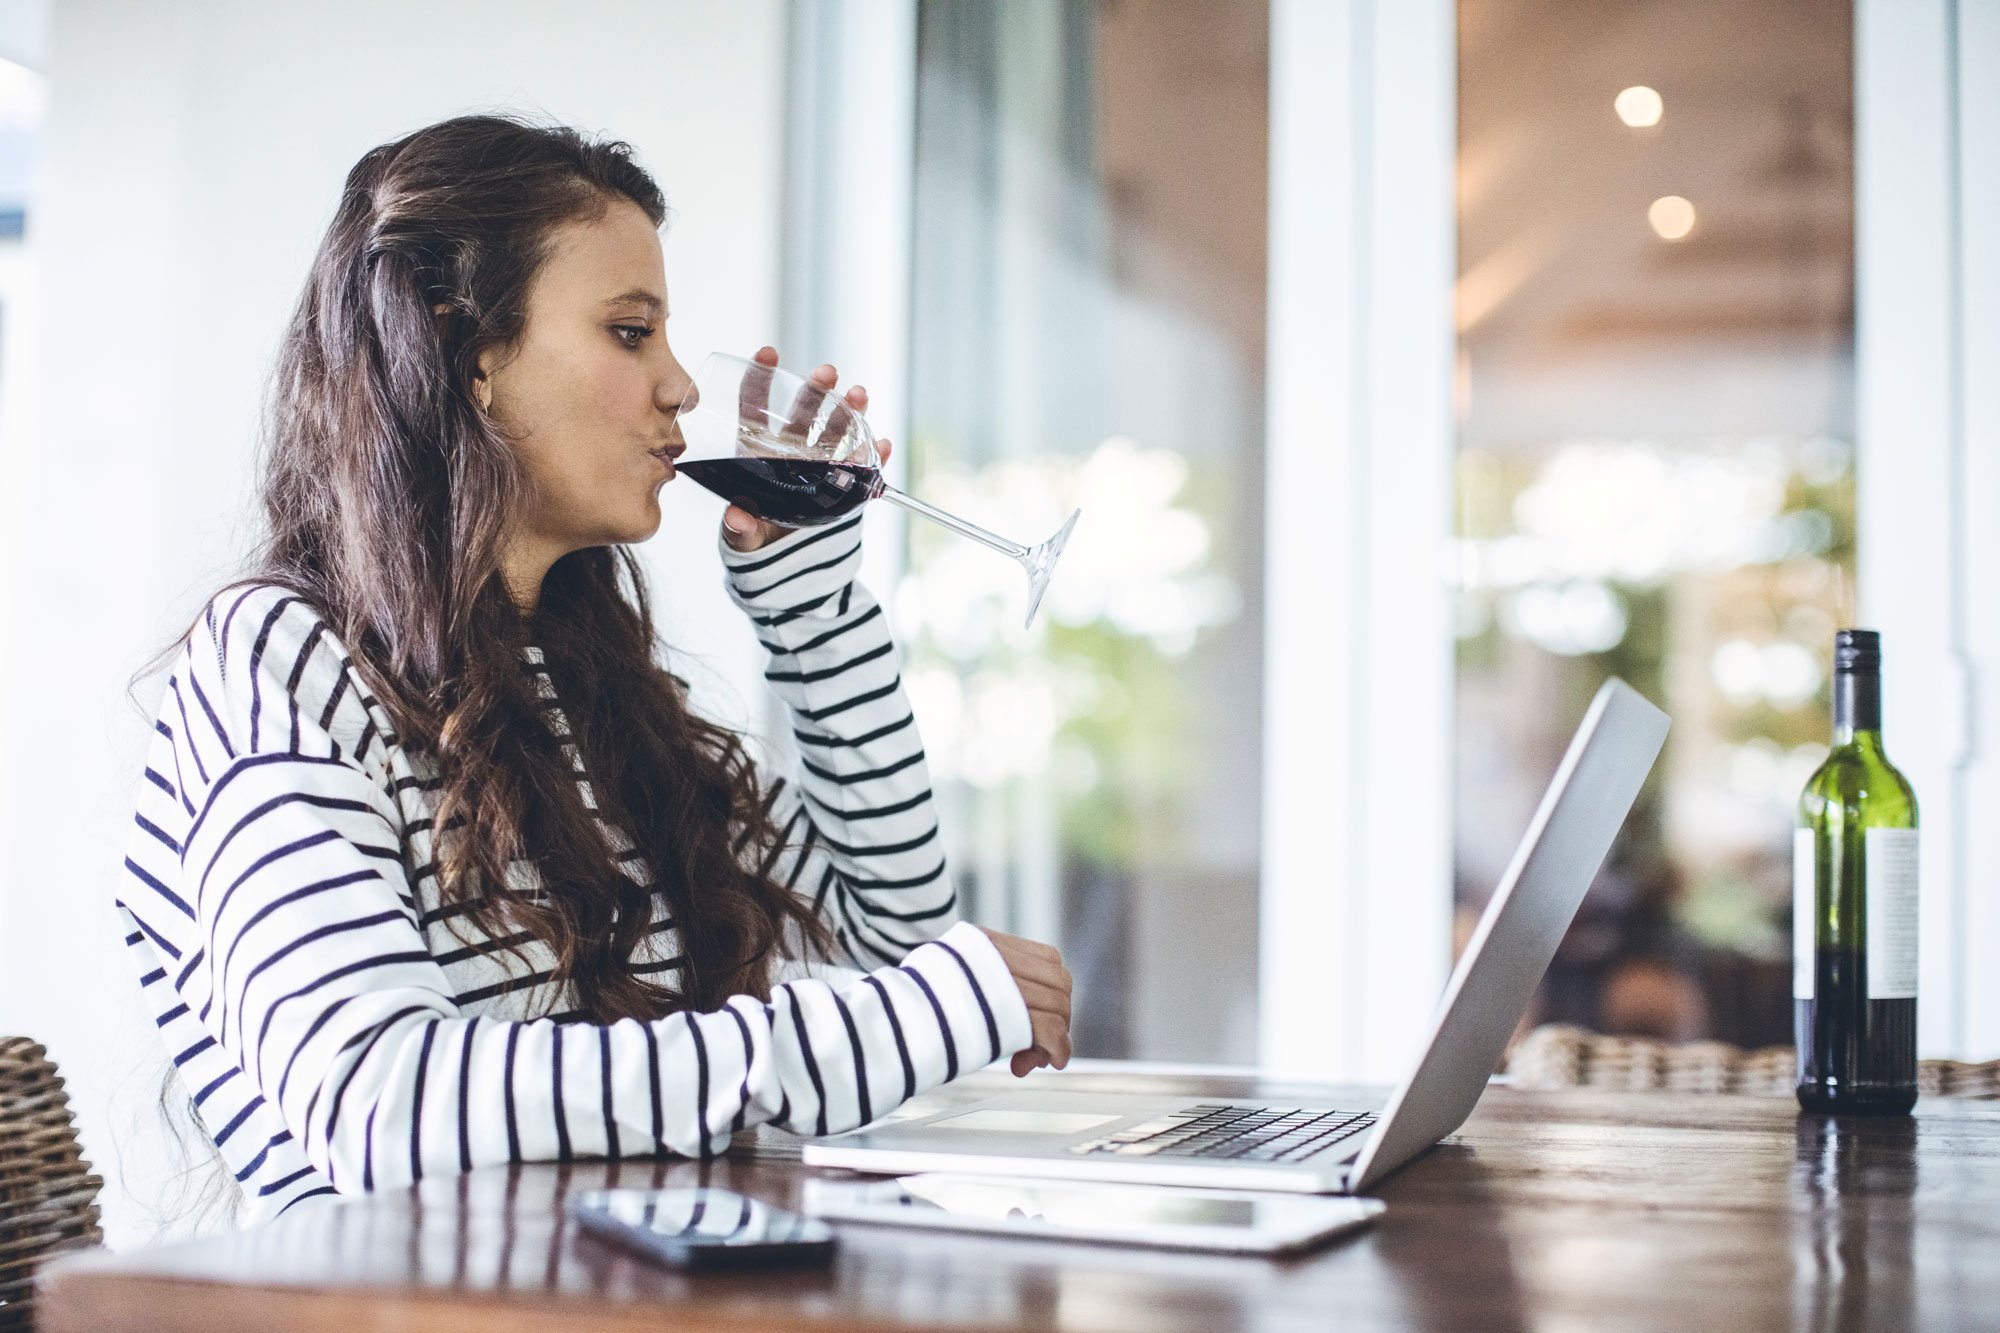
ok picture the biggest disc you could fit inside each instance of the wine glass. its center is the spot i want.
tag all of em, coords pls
(811, 462)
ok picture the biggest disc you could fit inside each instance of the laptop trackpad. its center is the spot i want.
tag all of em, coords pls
(993, 1119)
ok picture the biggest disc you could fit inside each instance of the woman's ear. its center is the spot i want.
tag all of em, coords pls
(482, 384)
(483, 367)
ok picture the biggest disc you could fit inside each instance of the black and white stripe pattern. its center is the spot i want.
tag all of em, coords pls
(341, 1030)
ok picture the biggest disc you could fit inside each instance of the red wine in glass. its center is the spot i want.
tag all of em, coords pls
(797, 492)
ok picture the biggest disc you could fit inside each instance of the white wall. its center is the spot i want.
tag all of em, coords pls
(194, 152)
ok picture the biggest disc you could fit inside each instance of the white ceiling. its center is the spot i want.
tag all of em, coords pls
(1574, 315)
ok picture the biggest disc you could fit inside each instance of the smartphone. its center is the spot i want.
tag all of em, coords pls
(702, 1228)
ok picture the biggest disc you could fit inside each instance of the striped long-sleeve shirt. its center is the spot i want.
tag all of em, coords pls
(340, 1029)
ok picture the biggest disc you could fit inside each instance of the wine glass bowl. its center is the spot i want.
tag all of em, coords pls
(781, 447)
(794, 453)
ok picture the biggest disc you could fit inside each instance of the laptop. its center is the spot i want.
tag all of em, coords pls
(1233, 1143)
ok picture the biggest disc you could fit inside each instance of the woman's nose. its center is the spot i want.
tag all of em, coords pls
(682, 394)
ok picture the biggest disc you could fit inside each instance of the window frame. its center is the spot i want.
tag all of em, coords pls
(1357, 893)
(1927, 309)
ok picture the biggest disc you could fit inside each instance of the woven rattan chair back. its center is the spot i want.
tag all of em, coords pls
(1557, 1055)
(48, 1196)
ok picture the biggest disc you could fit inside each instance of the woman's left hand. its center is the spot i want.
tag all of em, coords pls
(743, 530)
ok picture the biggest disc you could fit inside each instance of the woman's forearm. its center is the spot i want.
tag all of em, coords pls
(860, 828)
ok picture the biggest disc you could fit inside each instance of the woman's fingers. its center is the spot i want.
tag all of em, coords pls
(1033, 961)
(1044, 995)
(744, 531)
(1047, 987)
(854, 402)
(806, 406)
(1013, 947)
(755, 392)
(1051, 1035)
(1049, 1045)
(1029, 960)
(753, 395)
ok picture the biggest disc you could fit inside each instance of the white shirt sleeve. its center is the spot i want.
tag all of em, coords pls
(859, 824)
(281, 901)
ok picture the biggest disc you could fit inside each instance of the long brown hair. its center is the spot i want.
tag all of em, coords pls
(389, 493)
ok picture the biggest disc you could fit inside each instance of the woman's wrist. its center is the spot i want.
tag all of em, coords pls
(973, 950)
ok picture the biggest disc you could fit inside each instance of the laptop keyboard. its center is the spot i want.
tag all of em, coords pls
(1238, 1133)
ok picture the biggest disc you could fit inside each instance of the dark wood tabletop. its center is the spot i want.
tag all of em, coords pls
(1551, 1210)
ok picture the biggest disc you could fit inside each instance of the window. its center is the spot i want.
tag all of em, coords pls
(1455, 604)
(1654, 472)
(1087, 328)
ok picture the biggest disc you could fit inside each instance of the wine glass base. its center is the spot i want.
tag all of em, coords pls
(1040, 562)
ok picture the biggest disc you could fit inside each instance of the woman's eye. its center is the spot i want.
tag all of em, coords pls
(631, 334)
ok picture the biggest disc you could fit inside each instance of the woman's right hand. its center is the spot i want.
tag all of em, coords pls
(743, 530)
(1045, 984)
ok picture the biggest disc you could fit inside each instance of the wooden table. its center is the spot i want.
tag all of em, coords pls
(1571, 1210)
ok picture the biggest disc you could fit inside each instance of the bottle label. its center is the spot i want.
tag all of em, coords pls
(1804, 893)
(1890, 905)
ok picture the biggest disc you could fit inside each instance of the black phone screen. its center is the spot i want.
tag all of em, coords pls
(697, 1228)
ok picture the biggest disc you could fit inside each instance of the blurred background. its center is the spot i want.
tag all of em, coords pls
(1417, 366)
(1654, 468)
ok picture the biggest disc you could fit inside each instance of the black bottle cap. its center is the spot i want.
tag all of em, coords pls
(1857, 652)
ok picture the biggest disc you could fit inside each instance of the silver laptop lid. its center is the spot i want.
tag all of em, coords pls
(1566, 842)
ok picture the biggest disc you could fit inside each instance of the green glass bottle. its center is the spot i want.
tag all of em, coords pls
(1854, 907)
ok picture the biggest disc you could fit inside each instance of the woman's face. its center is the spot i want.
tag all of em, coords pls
(589, 392)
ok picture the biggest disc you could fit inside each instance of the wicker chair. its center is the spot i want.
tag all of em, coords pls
(48, 1198)
(1557, 1055)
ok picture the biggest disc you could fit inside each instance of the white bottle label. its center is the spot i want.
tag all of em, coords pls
(1803, 874)
(1891, 909)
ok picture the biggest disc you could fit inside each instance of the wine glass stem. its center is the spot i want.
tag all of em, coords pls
(955, 523)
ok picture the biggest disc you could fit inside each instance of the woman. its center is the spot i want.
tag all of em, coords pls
(433, 866)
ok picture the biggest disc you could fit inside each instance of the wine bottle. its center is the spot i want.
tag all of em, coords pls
(1854, 907)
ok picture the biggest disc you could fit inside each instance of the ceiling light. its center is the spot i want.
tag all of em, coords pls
(1639, 107)
(1672, 217)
